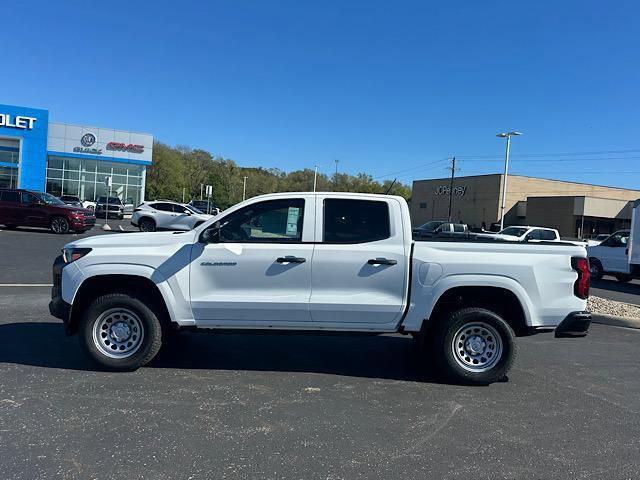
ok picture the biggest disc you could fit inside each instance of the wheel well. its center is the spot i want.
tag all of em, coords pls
(146, 217)
(498, 300)
(99, 285)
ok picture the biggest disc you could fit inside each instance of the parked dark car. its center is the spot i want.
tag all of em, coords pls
(209, 208)
(440, 229)
(72, 200)
(116, 208)
(27, 208)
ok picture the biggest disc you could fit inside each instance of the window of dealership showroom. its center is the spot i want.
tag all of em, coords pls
(85, 178)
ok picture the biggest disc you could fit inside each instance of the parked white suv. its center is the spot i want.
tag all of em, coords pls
(166, 215)
(519, 233)
(323, 262)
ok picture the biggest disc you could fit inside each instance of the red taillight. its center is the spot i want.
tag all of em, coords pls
(581, 287)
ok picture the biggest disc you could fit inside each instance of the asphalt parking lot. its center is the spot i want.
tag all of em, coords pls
(272, 406)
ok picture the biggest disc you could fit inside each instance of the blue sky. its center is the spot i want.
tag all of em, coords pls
(384, 87)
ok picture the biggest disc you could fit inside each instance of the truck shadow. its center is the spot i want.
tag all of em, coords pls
(394, 357)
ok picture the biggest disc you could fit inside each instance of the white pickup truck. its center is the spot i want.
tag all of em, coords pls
(320, 262)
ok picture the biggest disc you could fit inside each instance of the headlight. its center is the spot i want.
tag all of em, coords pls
(72, 254)
(77, 212)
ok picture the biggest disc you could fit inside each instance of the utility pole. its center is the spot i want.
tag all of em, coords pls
(453, 172)
(335, 178)
(244, 188)
(315, 177)
(201, 191)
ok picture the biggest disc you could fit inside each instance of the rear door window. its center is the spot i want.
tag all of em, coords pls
(355, 221)
(547, 235)
(164, 207)
(12, 197)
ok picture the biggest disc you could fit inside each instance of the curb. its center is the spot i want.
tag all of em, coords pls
(615, 320)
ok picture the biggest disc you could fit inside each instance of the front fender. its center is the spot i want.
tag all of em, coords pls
(176, 301)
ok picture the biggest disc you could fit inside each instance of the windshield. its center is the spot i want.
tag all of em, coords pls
(193, 209)
(513, 231)
(431, 226)
(113, 200)
(50, 199)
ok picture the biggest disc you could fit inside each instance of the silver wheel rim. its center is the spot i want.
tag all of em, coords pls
(477, 347)
(118, 333)
(59, 225)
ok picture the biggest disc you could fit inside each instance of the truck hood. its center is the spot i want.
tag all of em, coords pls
(133, 239)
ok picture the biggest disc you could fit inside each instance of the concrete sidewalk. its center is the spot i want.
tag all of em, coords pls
(615, 320)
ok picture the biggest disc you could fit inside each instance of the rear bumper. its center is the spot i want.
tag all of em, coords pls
(576, 324)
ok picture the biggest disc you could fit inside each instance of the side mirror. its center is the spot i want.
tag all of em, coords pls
(211, 234)
(528, 237)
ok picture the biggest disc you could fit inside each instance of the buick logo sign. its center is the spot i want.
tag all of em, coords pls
(88, 139)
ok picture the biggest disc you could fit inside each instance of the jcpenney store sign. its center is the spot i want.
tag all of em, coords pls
(18, 121)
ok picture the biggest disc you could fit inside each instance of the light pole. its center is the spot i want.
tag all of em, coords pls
(508, 136)
(335, 178)
(244, 188)
(315, 177)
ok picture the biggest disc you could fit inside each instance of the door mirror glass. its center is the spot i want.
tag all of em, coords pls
(211, 234)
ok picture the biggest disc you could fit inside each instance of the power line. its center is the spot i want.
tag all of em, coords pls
(418, 167)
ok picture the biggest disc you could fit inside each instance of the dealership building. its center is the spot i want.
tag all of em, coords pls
(65, 159)
(575, 209)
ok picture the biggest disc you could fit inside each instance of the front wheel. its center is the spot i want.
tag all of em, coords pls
(595, 269)
(473, 346)
(120, 332)
(59, 225)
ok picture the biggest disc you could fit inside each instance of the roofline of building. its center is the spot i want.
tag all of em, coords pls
(528, 176)
(91, 127)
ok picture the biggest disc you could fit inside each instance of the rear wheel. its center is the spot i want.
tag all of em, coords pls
(59, 225)
(147, 225)
(473, 346)
(595, 269)
(120, 332)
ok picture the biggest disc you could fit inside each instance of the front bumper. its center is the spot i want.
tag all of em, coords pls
(57, 306)
(576, 324)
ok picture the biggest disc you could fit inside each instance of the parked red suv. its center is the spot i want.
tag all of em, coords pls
(27, 208)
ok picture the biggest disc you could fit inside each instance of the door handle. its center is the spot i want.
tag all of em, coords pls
(290, 259)
(381, 261)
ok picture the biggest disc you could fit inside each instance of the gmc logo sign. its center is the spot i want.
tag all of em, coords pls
(124, 147)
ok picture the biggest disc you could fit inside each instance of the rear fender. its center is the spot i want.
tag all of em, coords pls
(425, 298)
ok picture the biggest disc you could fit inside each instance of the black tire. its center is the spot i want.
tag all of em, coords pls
(147, 225)
(120, 305)
(595, 269)
(59, 225)
(483, 326)
(623, 277)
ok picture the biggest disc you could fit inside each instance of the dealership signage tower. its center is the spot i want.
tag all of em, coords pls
(65, 159)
